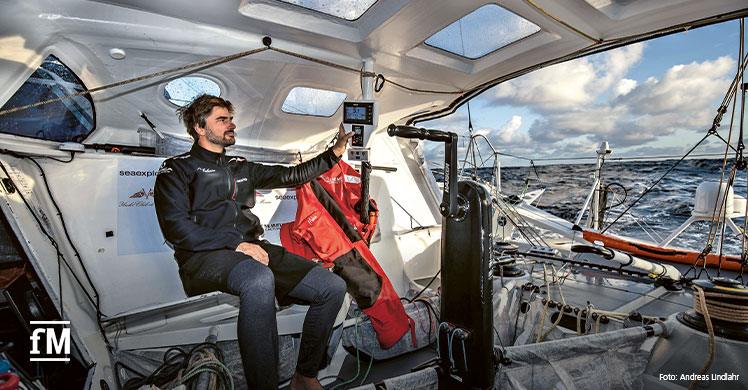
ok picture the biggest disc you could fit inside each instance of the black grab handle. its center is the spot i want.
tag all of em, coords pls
(449, 207)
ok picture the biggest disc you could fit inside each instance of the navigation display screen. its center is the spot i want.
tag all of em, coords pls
(355, 113)
(360, 113)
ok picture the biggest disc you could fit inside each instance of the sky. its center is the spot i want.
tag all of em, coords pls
(648, 99)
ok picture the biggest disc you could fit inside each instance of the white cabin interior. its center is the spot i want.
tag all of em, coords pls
(131, 49)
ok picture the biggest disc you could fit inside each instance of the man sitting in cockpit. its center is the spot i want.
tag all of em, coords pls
(203, 202)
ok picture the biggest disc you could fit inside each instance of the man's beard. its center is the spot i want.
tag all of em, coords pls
(222, 140)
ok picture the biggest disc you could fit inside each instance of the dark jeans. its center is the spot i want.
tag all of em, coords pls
(255, 284)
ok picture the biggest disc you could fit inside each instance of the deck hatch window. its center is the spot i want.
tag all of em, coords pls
(313, 101)
(344, 9)
(482, 31)
(183, 90)
(69, 119)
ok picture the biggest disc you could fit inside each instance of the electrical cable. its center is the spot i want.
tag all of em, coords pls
(358, 360)
(424, 288)
(53, 242)
(99, 313)
(95, 300)
(72, 157)
(175, 360)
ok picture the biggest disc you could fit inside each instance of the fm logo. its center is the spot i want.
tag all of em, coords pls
(57, 346)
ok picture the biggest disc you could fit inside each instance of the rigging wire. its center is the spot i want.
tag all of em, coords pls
(742, 122)
(631, 158)
(744, 249)
(718, 225)
(712, 131)
(650, 188)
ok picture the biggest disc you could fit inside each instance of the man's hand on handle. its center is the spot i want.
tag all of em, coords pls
(342, 142)
(254, 251)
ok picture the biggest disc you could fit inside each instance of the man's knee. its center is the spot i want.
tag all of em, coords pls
(249, 279)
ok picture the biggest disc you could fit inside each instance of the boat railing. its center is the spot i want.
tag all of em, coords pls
(473, 154)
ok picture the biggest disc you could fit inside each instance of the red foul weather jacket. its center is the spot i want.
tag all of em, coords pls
(328, 228)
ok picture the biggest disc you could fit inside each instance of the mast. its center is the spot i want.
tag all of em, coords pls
(596, 217)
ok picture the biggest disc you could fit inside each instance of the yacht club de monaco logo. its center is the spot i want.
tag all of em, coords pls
(50, 341)
(139, 198)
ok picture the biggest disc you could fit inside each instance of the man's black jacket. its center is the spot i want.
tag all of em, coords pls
(203, 199)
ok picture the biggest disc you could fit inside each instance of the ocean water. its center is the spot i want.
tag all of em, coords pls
(653, 218)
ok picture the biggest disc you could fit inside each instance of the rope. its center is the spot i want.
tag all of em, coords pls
(196, 65)
(323, 62)
(192, 67)
(560, 292)
(699, 292)
(541, 334)
(411, 89)
(707, 303)
(545, 306)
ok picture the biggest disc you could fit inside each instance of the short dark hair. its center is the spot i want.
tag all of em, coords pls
(199, 109)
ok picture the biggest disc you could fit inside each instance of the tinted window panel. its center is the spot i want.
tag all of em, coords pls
(184, 89)
(482, 31)
(344, 9)
(69, 119)
(312, 101)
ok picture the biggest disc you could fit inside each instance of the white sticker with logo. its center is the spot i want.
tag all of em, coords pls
(137, 227)
(274, 208)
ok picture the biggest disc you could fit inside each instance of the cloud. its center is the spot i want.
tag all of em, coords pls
(580, 103)
(683, 99)
(508, 135)
(456, 122)
(570, 84)
(683, 88)
(624, 87)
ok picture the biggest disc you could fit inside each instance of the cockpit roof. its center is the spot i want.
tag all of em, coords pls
(106, 42)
